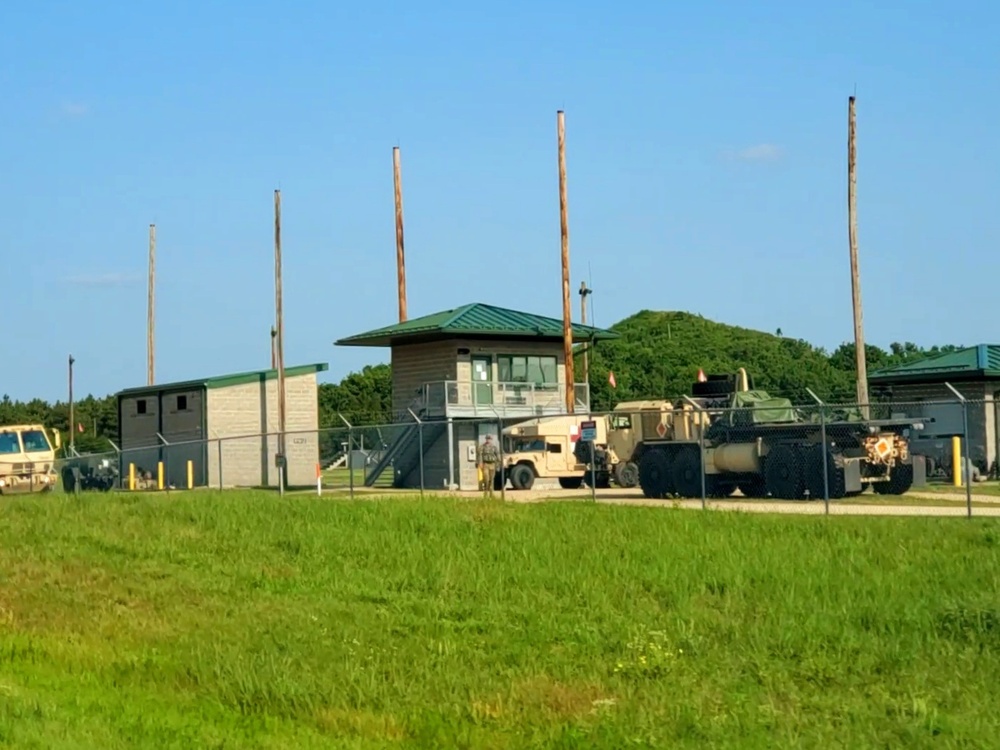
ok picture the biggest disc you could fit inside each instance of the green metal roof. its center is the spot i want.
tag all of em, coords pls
(475, 320)
(972, 363)
(223, 381)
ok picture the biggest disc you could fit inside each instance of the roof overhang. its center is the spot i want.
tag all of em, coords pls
(433, 337)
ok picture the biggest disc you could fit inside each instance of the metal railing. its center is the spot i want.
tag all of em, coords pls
(486, 398)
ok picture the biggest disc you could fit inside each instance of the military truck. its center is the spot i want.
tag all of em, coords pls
(27, 459)
(760, 445)
(548, 448)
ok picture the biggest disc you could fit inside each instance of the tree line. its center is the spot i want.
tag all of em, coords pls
(657, 356)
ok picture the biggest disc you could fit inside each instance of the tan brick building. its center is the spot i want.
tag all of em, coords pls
(226, 425)
(461, 371)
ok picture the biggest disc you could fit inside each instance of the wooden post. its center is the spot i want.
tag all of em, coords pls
(564, 227)
(280, 349)
(852, 231)
(72, 415)
(584, 291)
(151, 308)
(400, 259)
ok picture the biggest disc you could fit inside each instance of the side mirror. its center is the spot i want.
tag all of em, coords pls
(58, 437)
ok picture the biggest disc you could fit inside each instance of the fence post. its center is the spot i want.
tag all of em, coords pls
(826, 467)
(420, 445)
(350, 449)
(964, 467)
(702, 415)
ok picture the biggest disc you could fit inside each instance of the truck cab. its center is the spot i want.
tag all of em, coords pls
(27, 459)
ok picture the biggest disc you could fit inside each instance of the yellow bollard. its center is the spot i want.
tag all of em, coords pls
(956, 460)
(190, 475)
(131, 477)
(159, 475)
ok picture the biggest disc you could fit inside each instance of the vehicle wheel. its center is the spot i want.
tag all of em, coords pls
(834, 474)
(687, 473)
(603, 480)
(900, 481)
(522, 477)
(715, 487)
(654, 474)
(627, 474)
(570, 483)
(755, 487)
(784, 473)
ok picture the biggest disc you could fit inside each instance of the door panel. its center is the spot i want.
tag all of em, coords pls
(482, 378)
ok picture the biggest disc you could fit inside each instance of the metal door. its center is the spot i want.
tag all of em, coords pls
(482, 379)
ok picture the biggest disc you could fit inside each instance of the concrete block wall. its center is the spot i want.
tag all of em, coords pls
(243, 412)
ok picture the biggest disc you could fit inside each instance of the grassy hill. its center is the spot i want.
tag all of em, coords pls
(660, 353)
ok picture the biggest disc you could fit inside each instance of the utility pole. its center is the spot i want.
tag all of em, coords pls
(72, 415)
(151, 308)
(852, 233)
(584, 291)
(280, 349)
(564, 229)
(397, 178)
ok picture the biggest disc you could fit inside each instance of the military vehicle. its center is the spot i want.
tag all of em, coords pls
(27, 459)
(759, 444)
(89, 474)
(545, 448)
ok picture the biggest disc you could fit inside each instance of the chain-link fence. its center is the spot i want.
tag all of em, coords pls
(745, 446)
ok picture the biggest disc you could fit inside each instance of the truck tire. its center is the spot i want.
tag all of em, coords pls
(522, 477)
(627, 475)
(571, 483)
(603, 479)
(654, 474)
(900, 481)
(784, 473)
(755, 487)
(687, 473)
(814, 474)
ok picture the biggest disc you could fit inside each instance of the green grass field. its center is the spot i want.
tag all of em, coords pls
(241, 620)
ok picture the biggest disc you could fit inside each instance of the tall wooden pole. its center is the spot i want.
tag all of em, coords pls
(584, 291)
(151, 308)
(72, 415)
(564, 227)
(280, 349)
(852, 231)
(400, 260)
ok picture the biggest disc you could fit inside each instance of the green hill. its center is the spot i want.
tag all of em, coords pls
(660, 353)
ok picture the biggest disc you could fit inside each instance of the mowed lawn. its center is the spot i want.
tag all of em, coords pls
(242, 620)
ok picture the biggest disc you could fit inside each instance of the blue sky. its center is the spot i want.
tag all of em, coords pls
(706, 157)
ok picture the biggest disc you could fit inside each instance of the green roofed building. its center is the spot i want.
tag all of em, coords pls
(918, 389)
(221, 425)
(457, 369)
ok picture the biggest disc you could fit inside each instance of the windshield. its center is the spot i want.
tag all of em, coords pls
(621, 422)
(9, 443)
(35, 441)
